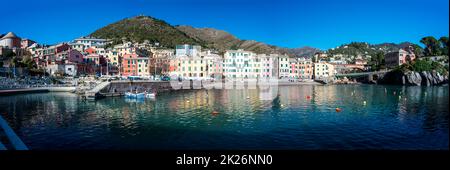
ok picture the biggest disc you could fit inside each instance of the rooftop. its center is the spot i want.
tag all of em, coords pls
(10, 35)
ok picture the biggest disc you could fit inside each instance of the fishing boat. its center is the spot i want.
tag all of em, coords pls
(134, 95)
(150, 95)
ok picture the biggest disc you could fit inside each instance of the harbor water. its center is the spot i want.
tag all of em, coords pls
(302, 117)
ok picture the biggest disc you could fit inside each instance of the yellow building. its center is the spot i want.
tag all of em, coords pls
(112, 56)
(323, 70)
(142, 68)
(203, 66)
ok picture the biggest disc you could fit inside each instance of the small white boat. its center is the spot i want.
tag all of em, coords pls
(134, 95)
(150, 95)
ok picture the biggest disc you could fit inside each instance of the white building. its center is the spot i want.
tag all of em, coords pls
(90, 42)
(283, 66)
(188, 50)
(240, 64)
(269, 65)
(323, 70)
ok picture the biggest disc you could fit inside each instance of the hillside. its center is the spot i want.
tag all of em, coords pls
(222, 40)
(363, 48)
(141, 28)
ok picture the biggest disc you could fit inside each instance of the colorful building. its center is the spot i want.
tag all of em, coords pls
(402, 56)
(10, 40)
(323, 70)
(268, 65)
(284, 67)
(305, 68)
(240, 64)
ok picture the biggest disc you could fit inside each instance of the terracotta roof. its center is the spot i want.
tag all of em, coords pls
(10, 35)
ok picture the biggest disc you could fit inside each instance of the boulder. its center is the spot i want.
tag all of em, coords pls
(413, 78)
(426, 78)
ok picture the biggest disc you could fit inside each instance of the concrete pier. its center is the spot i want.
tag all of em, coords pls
(36, 90)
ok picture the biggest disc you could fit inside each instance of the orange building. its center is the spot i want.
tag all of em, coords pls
(129, 65)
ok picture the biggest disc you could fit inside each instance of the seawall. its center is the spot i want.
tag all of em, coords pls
(36, 90)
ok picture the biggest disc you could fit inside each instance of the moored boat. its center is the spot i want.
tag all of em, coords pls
(134, 95)
(150, 95)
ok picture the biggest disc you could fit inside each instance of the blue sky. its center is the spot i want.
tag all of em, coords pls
(288, 23)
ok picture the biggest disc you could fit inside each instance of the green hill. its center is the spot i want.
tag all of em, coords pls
(141, 28)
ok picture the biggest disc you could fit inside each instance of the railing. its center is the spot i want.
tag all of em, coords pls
(361, 74)
(15, 141)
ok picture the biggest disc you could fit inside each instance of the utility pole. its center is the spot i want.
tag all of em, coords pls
(154, 77)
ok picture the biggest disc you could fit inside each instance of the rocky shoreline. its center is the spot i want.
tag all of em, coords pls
(412, 78)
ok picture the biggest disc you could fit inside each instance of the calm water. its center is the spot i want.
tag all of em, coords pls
(184, 120)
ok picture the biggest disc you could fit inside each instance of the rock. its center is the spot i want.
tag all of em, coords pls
(426, 79)
(413, 78)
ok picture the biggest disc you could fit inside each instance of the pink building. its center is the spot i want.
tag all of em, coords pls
(305, 69)
(74, 56)
(402, 56)
(26, 43)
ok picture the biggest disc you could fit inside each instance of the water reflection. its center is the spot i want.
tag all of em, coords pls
(298, 117)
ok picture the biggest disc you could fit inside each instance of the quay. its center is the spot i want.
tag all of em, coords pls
(36, 90)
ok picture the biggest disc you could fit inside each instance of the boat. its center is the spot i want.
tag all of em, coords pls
(134, 95)
(150, 95)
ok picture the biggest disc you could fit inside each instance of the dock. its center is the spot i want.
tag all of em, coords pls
(36, 90)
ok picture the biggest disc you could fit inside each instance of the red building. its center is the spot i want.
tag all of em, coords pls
(90, 50)
(130, 65)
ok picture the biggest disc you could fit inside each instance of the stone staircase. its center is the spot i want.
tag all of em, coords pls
(94, 93)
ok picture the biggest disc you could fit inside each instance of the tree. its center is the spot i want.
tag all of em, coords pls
(432, 46)
(422, 65)
(378, 61)
(444, 45)
(418, 51)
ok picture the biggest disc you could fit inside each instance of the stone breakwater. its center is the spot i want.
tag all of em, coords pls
(412, 78)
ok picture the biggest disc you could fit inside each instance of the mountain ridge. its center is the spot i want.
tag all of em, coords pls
(141, 28)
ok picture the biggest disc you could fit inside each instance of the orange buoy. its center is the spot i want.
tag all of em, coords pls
(214, 112)
(338, 110)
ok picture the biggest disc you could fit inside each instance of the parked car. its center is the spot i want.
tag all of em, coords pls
(165, 78)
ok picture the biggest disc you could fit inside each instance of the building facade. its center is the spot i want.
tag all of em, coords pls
(397, 58)
(323, 70)
(10, 40)
(240, 64)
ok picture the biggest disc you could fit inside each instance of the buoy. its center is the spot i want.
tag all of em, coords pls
(364, 102)
(308, 97)
(214, 112)
(338, 109)
(248, 97)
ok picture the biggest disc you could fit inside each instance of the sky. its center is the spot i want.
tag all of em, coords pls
(322, 24)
